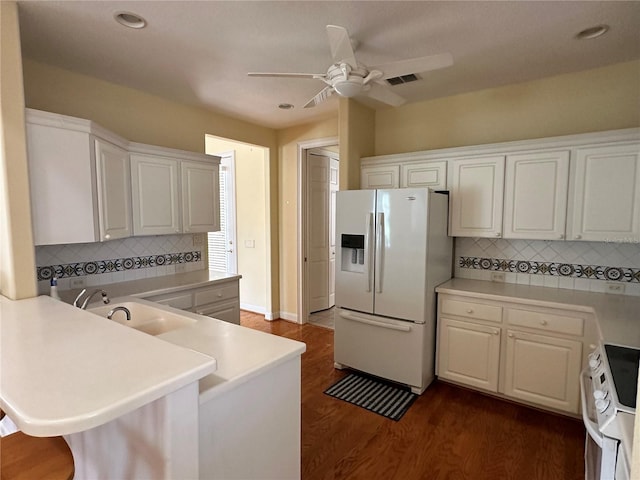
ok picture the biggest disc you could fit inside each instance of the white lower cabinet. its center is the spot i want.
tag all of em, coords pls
(221, 301)
(469, 353)
(532, 354)
(543, 370)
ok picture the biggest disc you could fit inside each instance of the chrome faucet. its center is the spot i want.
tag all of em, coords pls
(124, 309)
(105, 298)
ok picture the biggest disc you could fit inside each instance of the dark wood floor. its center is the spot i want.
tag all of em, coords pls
(448, 433)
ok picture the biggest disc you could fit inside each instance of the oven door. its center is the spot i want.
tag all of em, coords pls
(600, 451)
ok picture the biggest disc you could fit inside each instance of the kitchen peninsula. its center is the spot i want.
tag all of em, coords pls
(131, 405)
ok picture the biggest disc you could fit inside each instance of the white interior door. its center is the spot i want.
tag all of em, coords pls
(333, 188)
(318, 251)
(222, 244)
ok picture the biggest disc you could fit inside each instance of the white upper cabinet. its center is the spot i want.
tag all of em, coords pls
(385, 176)
(429, 174)
(89, 185)
(155, 195)
(605, 199)
(114, 187)
(79, 183)
(535, 195)
(476, 196)
(200, 197)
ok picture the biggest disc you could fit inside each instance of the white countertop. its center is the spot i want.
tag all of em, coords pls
(64, 370)
(241, 353)
(147, 287)
(617, 316)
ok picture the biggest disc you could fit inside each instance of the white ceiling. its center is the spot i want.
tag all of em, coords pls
(199, 52)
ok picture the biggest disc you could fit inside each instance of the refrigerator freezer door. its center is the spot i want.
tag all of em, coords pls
(387, 348)
(401, 238)
(355, 216)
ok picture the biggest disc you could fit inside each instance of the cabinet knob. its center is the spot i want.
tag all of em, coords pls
(469, 310)
(510, 335)
(498, 234)
(496, 332)
(107, 236)
(578, 237)
(561, 236)
(543, 322)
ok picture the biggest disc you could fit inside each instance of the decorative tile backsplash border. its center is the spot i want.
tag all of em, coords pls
(97, 267)
(591, 272)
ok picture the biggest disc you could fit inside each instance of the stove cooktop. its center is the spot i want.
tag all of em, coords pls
(623, 363)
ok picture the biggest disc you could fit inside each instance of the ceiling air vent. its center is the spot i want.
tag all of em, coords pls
(412, 77)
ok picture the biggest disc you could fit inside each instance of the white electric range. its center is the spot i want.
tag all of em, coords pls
(609, 388)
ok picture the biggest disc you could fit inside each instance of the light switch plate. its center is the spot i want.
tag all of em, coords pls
(615, 287)
(497, 276)
(79, 282)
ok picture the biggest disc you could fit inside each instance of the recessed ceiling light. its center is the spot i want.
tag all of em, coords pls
(285, 106)
(130, 20)
(592, 32)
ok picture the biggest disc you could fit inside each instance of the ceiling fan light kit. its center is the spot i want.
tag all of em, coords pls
(348, 78)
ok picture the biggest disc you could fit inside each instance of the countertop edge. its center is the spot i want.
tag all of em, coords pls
(221, 388)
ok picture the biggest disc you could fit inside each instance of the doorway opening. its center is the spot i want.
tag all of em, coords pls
(245, 246)
(318, 182)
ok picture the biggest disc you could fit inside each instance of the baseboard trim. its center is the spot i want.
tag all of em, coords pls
(292, 317)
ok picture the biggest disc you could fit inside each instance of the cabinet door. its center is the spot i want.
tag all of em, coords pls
(200, 197)
(58, 157)
(469, 353)
(380, 177)
(543, 370)
(606, 194)
(113, 177)
(428, 174)
(476, 197)
(535, 195)
(155, 195)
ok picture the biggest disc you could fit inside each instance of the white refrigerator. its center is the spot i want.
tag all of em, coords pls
(393, 250)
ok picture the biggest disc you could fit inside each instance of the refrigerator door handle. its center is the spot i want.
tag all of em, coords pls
(379, 251)
(368, 238)
(367, 321)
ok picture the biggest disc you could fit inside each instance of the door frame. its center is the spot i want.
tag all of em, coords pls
(302, 304)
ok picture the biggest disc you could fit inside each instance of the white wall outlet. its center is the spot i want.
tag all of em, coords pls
(249, 244)
(497, 276)
(79, 282)
(180, 268)
(615, 287)
(198, 239)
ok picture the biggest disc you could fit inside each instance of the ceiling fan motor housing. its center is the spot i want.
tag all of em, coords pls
(347, 81)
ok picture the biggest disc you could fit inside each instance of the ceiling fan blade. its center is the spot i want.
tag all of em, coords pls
(290, 75)
(340, 43)
(321, 96)
(414, 65)
(384, 95)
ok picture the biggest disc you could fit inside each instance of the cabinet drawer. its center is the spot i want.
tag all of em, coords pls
(216, 294)
(183, 301)
(545, 321)
(491, 313)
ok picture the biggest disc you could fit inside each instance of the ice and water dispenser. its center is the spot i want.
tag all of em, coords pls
(352, 253)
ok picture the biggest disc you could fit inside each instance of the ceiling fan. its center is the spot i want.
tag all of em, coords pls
(348, 78)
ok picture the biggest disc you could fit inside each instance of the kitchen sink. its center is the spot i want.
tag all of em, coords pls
(144, 317)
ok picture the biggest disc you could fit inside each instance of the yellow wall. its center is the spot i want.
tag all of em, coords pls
(357, 137)
(606, 98)
(135, 115)
(251, 218)
(288, 140)
(17, 257)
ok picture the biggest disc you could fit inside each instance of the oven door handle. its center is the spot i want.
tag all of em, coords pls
(590, 425)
